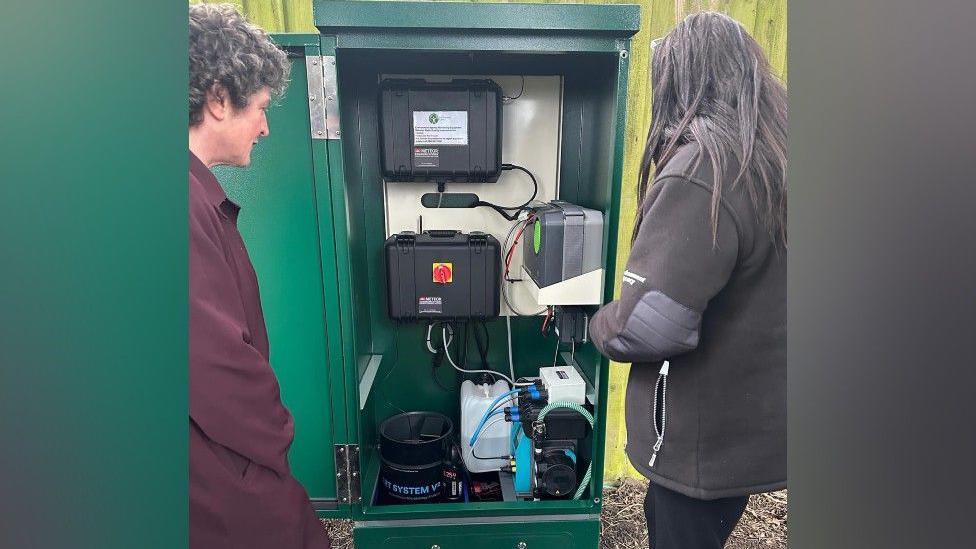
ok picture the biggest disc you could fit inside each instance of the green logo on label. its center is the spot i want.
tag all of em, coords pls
(433, 118)
(537, 237)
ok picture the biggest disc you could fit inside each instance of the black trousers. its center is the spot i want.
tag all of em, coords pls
(676, 521)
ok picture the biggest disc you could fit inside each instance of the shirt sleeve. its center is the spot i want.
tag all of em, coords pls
(234, 394)
(674, 269)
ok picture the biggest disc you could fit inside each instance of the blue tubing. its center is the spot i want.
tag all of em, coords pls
(477, 431)
(489, 413)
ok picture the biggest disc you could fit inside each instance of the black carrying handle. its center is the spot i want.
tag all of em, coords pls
(442, 233)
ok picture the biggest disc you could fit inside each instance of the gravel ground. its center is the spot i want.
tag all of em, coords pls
(763, 525)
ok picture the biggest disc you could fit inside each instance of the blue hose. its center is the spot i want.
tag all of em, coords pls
(474, 437)
(489, 413)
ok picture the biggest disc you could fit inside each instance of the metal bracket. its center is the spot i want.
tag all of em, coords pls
(323, 93)
(347, 473)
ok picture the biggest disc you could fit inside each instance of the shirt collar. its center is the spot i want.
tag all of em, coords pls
(211, 187)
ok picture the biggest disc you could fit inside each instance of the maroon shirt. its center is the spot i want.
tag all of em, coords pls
(242, 492)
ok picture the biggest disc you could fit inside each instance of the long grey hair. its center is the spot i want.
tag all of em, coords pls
(712, 85)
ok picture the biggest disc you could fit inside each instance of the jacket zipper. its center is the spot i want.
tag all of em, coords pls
(661, 385)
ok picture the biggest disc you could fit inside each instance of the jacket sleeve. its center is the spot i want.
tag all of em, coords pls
(233, 392)
(673, 271)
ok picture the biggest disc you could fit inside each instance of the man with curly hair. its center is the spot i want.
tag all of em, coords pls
(242, 492)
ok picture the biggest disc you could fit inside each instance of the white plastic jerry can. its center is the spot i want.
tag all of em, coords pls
(492, 446)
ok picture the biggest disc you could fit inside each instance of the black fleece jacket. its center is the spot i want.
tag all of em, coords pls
(716, 311)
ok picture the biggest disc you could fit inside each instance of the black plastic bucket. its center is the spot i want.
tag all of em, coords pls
(412, 450)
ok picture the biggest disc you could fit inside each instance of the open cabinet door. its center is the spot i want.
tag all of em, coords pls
(286, 222)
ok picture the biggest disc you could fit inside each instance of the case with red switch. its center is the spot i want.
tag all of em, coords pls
(443, 275)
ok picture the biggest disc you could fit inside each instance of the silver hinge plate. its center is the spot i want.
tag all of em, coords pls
(347, 473)
(354, 480)
(323, 105)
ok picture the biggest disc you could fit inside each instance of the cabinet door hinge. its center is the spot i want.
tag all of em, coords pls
(347, 473)
(323, 104)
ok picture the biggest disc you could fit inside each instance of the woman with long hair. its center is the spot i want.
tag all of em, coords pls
(702, 310)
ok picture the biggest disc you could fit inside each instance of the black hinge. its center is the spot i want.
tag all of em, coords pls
(347, 473)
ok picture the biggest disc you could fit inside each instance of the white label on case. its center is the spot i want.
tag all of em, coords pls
(440, 128)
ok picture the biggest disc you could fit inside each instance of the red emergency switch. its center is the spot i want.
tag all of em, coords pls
(443, 274)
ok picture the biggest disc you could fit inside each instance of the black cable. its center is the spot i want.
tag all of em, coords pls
(535, 186)
(435, 362)
(433, 375)
(463, 354)
(503, 210)
(487, 346)
(481, 350)
(522, 89)
(476, 456)
(483, 347)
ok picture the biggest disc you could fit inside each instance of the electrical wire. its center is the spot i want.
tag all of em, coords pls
(511, 249)
(511, 363)
(503, 210)
(447, 337)
(463, 353)
(507, 248)
(447, 354)
(482, 349)
(430, 327)
(517, 384)
(476, 456)
(435, 362)
(535, 186)
(522, 89)
(506, 280)
(433, 375)
(547, 319)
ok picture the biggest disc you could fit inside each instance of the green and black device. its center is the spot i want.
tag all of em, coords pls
(566, 241)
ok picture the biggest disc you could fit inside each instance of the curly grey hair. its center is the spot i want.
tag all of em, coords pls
(228, 52)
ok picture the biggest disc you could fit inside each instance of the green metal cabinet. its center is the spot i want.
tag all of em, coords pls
(313, 219)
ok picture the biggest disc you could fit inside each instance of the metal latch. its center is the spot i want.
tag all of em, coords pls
(478, 242)
(323, 92)
(405, 242)
(347, 473)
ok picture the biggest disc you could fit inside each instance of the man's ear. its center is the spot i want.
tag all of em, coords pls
(218, 102)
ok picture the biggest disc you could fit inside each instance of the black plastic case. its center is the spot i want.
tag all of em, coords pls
(439, 148)
(475, 265)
